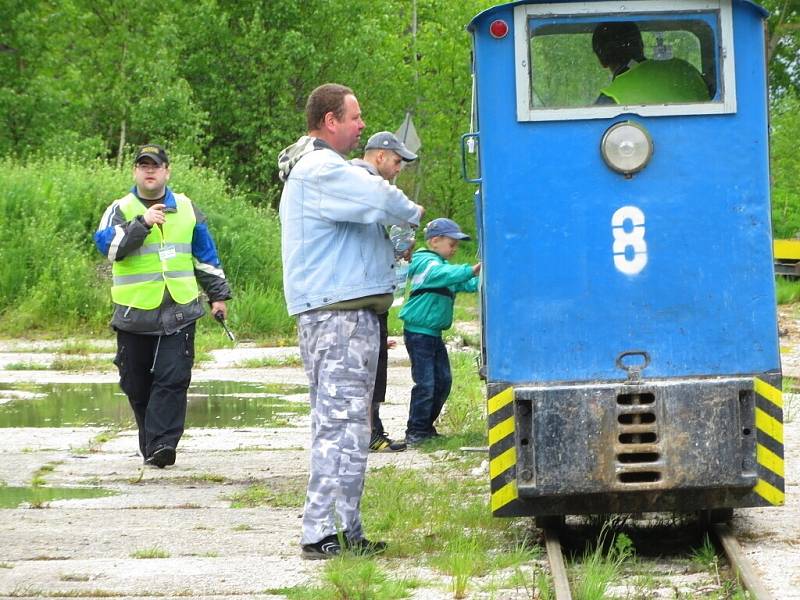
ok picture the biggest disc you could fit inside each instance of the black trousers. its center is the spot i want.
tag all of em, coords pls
(155, 372)
(379, 393)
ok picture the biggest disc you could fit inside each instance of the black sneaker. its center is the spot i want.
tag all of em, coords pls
(327, 547)
(161, 457)
(383, 443)
(364, 547)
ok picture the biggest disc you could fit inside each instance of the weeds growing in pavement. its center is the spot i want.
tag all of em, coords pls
(26, 366)
(292, 360)
(38, 478)
(790, 401)
(153, 552)
(64, 363)
(349, 577)
(289, 493)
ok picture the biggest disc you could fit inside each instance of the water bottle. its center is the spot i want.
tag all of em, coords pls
(400, 275)
(402, 238)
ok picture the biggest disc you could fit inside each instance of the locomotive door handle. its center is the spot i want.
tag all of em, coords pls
(468, 143)
(634, 371)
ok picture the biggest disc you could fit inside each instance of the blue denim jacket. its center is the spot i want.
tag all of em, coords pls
(332, 237)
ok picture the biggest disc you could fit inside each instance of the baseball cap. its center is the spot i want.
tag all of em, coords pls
(386, 140)
(157, 153)
(445, 227)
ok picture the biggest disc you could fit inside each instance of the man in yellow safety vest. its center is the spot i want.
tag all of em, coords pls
(160, 248)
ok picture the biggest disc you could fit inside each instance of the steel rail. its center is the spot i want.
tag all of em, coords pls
(558, 569)
(739, 562)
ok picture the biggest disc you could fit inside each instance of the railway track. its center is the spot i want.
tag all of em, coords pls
(733, 551)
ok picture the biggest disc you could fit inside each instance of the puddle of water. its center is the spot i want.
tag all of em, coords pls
(211, 404)
(11, 497)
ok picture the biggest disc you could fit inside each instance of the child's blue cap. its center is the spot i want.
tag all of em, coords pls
(445, 227)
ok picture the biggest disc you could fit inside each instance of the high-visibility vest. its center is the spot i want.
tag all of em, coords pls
(164, 259)
(658, 82)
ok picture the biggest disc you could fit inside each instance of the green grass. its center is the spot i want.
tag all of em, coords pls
(73, 346)
(351, 577)
(705, 557)
(26, 366)
(96, 442)
(65, 363)
(82, 347)
(208, 477)
(288, 493)
(598, 567)
(34, 593)
(293, 360)
(74, 577)
(463, 418)
(396, 506)
(38, 478)
(69, 363)
(787, 290)
(152, 552)
(791, 406)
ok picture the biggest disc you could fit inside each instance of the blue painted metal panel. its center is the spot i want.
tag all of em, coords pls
(493, 12)
(555, 306)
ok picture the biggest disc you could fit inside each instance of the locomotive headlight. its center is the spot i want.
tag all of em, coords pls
(626, 147)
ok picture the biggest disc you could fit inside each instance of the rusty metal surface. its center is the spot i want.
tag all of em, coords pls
(558, 569)
(635, 446)
(650, 437)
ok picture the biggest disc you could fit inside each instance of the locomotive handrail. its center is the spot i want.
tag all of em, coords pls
(464, 143)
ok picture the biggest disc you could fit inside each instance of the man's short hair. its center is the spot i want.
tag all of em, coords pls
(329, 97)
(617, 43)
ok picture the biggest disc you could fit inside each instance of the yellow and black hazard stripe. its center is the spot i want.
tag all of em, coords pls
(769, 442)
(502, 450)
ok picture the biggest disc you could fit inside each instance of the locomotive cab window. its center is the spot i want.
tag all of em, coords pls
(572, 65)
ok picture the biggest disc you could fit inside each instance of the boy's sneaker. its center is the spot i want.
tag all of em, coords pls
(364, 547)
(383, 443)
(327, 547)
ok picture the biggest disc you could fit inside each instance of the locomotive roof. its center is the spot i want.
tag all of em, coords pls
(489, 11)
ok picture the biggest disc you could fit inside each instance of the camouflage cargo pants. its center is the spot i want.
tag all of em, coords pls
(340, 354)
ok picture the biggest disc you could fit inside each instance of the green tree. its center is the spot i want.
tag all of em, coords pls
(96, 77)
(785, 166)
(783, 46)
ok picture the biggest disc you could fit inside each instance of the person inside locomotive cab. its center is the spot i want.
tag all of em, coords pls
(636, 79)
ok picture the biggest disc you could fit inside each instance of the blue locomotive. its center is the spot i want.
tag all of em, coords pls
(630, 342)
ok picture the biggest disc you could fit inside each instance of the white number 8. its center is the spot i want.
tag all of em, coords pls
(633, 261)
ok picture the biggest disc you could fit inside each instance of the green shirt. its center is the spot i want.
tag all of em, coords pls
(672, 81)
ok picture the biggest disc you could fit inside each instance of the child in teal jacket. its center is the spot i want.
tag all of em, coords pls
(429, 310)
